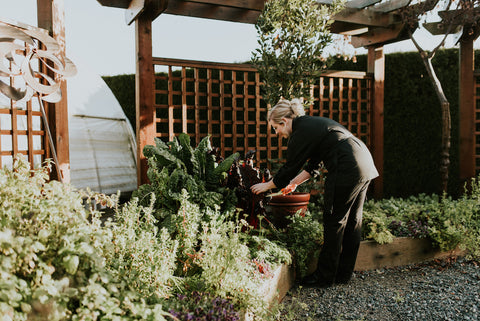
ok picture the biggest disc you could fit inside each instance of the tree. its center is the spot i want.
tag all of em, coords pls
(292, 35)
(456, 15)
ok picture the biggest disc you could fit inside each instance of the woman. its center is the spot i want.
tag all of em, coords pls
(350, 167)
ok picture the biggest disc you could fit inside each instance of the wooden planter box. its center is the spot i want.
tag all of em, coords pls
(402, 251)
(371, 255)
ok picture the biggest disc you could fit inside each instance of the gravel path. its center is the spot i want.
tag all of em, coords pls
(439, 290)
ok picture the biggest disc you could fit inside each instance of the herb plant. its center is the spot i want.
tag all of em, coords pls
(52, 255)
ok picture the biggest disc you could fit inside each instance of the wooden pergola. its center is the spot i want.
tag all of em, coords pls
(371, 23)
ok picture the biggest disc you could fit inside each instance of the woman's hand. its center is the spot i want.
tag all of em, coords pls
(262, 187)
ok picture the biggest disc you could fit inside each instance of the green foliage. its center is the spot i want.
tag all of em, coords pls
(61, 262)
(265, 250)
(303, 237)
(176, 166)
(52, 260)
(189, 202)
(450, 223)
(123, 88)
(139, 253)
(292, 35)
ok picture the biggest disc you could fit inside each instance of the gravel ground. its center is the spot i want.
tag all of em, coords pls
(438, 290)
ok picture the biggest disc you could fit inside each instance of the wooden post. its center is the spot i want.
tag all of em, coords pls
(376, 65)
(144, 97)
(51, 16)
(466, 109)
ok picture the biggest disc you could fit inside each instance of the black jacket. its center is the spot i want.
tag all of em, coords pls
(318, 139)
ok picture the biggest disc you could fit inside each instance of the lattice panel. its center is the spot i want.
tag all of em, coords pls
(21, 132)
(203, 99)
(477, 122)
(345, 98)
(224, 100)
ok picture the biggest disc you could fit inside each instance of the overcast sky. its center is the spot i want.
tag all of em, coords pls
(99, 37)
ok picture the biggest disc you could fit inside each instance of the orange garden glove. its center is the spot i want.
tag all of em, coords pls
(289, 189)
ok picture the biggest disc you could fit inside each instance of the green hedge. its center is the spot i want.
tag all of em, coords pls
(412, 123)
(123, 87)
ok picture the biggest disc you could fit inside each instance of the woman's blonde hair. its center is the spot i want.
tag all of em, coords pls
(286, 109)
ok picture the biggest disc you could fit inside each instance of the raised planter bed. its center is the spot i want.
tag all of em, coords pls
(371, 255)
(402, 251)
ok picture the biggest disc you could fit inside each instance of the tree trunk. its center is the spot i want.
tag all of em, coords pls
(446, 123)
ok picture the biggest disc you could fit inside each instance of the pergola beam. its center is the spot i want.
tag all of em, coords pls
(211, 11)
(241, 4)
(354, 4)
(123, 4)
(466, 94)
(377, 36)
(391, 5)
(349, 29)
(376, 66)
(367, 17)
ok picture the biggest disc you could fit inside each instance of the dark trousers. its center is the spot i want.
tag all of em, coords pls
(342, 222)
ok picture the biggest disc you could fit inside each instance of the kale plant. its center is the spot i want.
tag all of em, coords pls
(176, 166)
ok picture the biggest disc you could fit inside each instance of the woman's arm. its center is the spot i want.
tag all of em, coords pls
(300, 178)
(262, 187)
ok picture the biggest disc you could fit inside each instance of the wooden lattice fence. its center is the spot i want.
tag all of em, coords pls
(224, 101)
(22, 132)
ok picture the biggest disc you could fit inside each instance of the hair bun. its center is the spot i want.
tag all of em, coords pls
(297, 107)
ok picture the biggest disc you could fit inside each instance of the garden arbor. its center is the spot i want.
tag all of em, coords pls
(370, 26)
(370, 23)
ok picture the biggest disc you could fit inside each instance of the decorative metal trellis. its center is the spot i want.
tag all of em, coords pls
(224, 101)
(31, 70)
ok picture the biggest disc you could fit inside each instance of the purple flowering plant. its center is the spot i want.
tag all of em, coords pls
(202, 306)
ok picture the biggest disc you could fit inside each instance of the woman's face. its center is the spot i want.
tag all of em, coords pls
(283, 129)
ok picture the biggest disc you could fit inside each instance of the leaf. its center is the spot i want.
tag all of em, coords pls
(200, 154)
(219, 173)
(163, 157)
(70, 263)
(187, 155)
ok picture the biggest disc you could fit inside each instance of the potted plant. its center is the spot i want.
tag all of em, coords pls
(282, 206)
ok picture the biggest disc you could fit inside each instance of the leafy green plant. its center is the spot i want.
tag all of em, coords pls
(141, 254)
(302, 237)
(52, 255)
(176, 166)
(202, 306)
(448, 222)
(192, 203)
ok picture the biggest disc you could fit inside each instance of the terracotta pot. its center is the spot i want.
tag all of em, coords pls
(282, 206)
